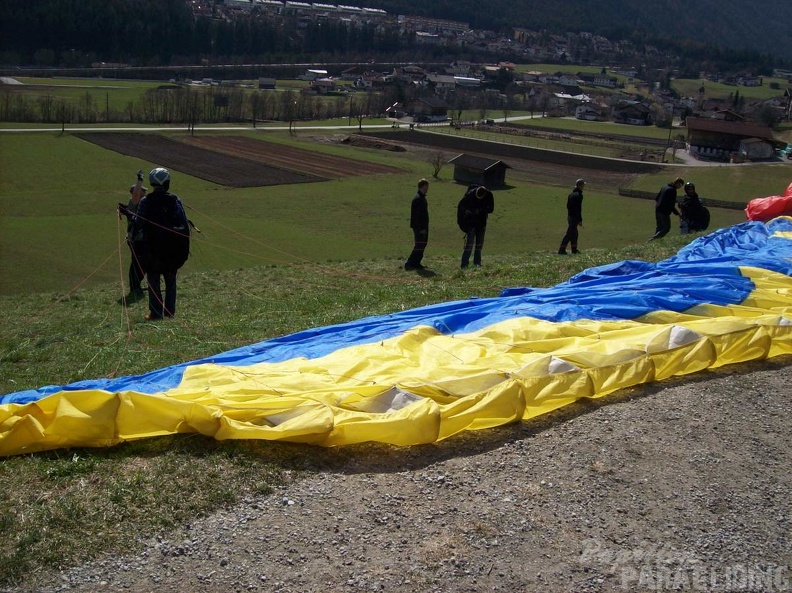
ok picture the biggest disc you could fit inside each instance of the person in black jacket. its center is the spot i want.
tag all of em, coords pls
(419, 223)
(166, 239)
(693, 214)
(665, 205)
(574, 218)
(472, 212)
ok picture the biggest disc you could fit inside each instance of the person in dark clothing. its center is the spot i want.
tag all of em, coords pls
(665, 205)
(472, 212)
(419, 223)
(574, 218)
(157, 215)
(693, 215)
(134, 239)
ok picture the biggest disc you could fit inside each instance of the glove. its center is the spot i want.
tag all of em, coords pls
(122, 209)
(140, 175)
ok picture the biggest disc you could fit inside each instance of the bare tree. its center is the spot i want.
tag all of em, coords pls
(438, 161)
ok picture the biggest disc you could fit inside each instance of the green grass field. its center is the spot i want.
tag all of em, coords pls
(687, 87)
(113, 94)
(604, 128)
(87, 502)
(269, 261)
(59, 227)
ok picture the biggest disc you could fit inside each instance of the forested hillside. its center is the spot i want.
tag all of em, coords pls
(164, 32)
(736, 24)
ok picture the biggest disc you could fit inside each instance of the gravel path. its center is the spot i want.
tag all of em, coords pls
(684, 485)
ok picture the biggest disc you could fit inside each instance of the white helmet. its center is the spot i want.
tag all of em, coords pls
(159, 176)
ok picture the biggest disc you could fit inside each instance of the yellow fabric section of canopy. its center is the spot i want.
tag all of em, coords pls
(421, 386)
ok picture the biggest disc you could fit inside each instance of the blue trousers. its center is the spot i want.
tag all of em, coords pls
(474, 241)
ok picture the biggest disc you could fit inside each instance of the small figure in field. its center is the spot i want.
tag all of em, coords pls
(472, 213)
(134, 239)
(665, 205)
(574, 218)
(419, 223)
(166, 237)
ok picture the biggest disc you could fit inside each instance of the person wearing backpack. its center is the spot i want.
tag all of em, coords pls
(693, 214)
(472, 212)
(166, 239)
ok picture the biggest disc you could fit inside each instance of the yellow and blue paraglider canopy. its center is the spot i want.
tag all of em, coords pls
(425, 374)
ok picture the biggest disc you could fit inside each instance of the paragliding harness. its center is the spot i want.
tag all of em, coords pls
(465, 215)
(698, 214)
(166, 232)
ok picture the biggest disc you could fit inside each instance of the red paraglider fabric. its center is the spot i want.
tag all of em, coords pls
(763, 209)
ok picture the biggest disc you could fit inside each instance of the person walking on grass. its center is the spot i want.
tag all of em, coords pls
(419, 223)
(166, 236)
(574, 218)
(472, 212)
(665, 205)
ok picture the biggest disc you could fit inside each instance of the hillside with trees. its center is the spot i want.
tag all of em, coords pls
(63, 33)
(733, 24)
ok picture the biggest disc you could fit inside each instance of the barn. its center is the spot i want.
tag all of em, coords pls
(480, 170)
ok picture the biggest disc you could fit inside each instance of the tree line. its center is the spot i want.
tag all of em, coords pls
(165, 32)
(193, 105)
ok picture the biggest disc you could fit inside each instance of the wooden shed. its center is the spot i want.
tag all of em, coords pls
(470, 169)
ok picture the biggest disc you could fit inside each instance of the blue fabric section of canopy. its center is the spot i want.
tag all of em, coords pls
(707, 271)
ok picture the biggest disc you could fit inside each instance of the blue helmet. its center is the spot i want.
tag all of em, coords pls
(159, 176)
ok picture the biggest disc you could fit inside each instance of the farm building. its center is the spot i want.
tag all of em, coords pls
(470, 169)
(719, 139)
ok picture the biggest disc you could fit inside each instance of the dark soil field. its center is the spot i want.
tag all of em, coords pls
(236, 161)
(308, 162)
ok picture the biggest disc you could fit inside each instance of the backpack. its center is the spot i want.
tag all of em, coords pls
(700, 215)
(704, 218)
(464, 216)
(166, 232)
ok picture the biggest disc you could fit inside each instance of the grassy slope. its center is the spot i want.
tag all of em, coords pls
(90, 501)
(687, 87)
(346, 241)
(64, 190)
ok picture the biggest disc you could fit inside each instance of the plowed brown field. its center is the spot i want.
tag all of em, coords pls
(236, 161)
(287, 157)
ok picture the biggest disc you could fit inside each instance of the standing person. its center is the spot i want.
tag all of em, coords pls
(419, 223)
(166, 237)
(665, 205)
(693, 214)
(134, 239)
(472, 212)
(574, 218)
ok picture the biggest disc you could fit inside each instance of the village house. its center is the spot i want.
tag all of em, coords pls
(635, 113)
(429, 109)
(441, 83)
(590, 112)
(720, 139)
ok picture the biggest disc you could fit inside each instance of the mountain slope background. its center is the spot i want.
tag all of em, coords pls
(153, 32)
(736, 24)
